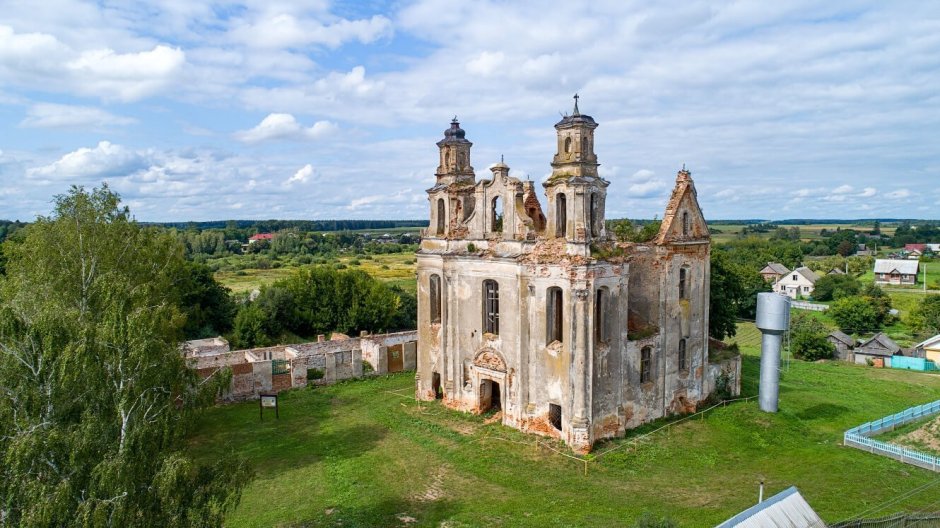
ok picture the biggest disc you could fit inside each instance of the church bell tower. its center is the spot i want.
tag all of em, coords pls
(576, 194)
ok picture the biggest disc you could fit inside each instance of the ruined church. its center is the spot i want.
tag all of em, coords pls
(543, 314)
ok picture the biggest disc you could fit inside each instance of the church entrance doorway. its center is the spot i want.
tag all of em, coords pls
(490, 397)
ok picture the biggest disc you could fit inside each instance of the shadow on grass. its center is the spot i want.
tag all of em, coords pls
(388, 512)
(750, 375)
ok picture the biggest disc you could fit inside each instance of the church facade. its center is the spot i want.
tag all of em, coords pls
(541, 313)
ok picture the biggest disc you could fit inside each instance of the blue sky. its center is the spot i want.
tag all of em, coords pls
(310, 109)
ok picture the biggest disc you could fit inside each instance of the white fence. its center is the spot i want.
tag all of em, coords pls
(803, 305)
(858, 437)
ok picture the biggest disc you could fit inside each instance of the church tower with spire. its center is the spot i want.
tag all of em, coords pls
(576, 193)
(545, 316)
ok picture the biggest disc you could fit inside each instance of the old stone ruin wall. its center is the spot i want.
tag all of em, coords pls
(273, 369)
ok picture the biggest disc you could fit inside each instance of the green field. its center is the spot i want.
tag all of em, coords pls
(807, 231)
(394, 268)
(364, 453)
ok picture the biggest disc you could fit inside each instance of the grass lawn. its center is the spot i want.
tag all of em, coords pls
(364, 453)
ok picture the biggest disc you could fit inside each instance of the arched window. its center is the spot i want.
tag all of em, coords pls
(496, 216)
(491, 307)
(594, 228)
(683, 279)
(600, 316)
(567, 144)
(683, 362)
(440, 216)
(685, 223)
(555, 316)
(561, 215)
(461, 160)
(646, 364)
(434, 291)
(584, 147)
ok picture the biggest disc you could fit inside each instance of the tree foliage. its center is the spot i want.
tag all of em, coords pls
(808, 338)
(835, 287)
(925, 317)
(726, 294)
(856, 315)
(94, 395)
(319, 300)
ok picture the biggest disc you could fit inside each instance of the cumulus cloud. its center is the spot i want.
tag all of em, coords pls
(49, 115)
(842, 189)
(898, 194)
(285, 126)
(303, 175)
(42, 60)
(868, 192)
(102, 161)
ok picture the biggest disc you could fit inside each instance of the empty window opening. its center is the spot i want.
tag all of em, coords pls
(490, 397)
(584, 146)
(594, 228)
(600, 316)
(555, 313)
(561, 215)
(436, 386)
(435, 294)
(554, 415)
(683, 287)
(646, 364)
(683, 365)
(567, 144)
(440, 216)
(685, 223)
(496, 215)
(491, 307)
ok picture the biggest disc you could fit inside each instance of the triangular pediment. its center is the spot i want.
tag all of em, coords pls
(683, 220)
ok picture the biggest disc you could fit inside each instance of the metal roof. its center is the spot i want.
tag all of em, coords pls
(787, 509)
(904, 267)
(776, 267)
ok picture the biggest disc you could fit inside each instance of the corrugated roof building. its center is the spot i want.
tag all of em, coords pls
(787, 509)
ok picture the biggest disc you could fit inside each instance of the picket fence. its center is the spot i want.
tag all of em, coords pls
(859, 437)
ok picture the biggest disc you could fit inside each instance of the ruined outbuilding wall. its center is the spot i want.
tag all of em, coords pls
(253, 369)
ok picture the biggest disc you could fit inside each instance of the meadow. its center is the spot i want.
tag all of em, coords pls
(364, 453)
(396, 269)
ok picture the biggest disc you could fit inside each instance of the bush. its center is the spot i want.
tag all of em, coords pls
(808, 338)
(856, 315)
(315, 374)
(648, 521)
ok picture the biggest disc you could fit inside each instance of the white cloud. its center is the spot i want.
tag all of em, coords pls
(842, 189)
(287, 31)
(486, 64)
(898, 194)
(645, 184)
(103, 161)
(127, 76)
(868, 192)
(49, 115)
(301, 176)
(285, 126)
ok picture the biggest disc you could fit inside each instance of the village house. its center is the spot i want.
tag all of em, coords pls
(260, 236)
(878, 349)
(929, 349)
(518, 315)
(888, 271)
(798, 283)
(843, 343)
(773, 271)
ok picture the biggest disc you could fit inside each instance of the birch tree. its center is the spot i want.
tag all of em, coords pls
(94, 396)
